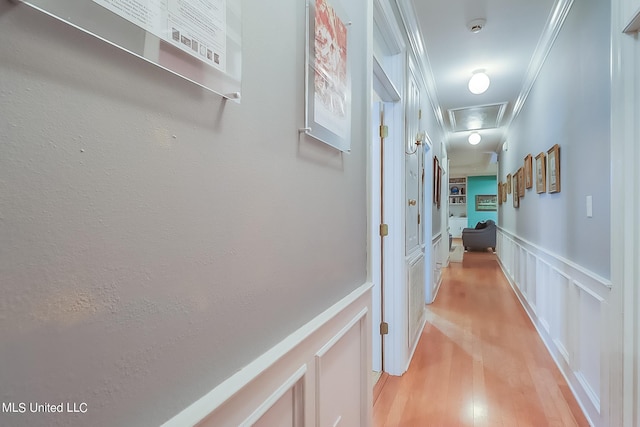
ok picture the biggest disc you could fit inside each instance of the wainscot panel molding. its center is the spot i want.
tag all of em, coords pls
(319, 375)
(415, 313)
(437, 263)
(566, 304)
(415, 297)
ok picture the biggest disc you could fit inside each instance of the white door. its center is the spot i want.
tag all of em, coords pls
(415, 267)
(412, 169)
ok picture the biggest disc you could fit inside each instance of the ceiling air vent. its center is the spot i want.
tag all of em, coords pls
(476, 118)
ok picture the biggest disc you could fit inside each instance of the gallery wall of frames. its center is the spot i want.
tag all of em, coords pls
(541, 172)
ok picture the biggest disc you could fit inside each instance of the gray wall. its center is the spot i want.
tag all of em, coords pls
(569, 105)
(156, 239)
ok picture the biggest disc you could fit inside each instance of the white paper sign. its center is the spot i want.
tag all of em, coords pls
(197, 27)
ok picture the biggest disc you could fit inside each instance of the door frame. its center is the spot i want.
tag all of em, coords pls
(376, 166)
(388, 75)
(621, 373)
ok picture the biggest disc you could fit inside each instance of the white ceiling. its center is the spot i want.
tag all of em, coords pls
(511, 48)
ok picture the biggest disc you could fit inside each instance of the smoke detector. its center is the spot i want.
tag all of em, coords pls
(476, 25)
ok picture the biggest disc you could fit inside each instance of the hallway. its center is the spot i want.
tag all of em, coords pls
(479, 362)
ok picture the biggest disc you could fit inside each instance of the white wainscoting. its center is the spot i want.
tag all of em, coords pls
(415, 298)
(318, 376)
(566, 303)
(438, 261)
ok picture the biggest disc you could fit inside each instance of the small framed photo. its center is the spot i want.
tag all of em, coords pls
(509, 184)
(521, 182)
(499, 193)
(439, 195)
(541, 173)
(528, 171)
(436, 166)
(516, 195)
(504, 192)
(553, 159)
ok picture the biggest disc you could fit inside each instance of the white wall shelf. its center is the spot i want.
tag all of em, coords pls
(458, 191)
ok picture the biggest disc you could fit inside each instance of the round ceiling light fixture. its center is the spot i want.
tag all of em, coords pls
(474, 138)
(479, 82)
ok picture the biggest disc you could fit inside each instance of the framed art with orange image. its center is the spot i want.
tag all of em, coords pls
(328, 74)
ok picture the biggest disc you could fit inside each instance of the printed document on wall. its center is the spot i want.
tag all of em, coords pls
(197, 27)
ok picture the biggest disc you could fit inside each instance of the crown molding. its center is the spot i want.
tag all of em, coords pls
(412, 28)
(382, 16)
(549, 35)
(634, 24)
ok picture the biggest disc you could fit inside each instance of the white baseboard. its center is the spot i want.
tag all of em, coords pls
(319, 375)
(566, 304)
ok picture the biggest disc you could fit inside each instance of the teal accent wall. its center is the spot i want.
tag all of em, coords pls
(480, 185)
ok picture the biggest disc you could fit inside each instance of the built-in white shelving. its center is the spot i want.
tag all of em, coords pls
(458, 191)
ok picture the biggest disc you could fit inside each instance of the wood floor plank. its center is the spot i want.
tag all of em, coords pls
(479, 362)
(377, 388)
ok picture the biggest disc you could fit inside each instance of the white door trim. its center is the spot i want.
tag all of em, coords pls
(622, 375)
(389, 58)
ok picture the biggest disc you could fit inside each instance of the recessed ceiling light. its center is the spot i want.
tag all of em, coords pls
(479, 82)
(474, 138)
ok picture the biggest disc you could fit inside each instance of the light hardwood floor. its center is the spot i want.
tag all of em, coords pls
(479, 361)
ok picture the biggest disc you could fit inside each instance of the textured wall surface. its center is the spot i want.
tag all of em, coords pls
(156, 239)
(569, 105)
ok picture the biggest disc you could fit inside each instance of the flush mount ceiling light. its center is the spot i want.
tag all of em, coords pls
(479, 82)
(474, 138)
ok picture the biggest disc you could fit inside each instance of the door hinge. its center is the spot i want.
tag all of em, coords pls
(384, 328)
(384, 131)
(384, 230)
(418, 219)
(420, 113)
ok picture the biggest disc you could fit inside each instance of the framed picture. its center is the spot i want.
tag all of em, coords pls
(436, 166)
(328, 75)
(541, 173)
(521, 182)
(528, 171)
(553, 158)
(509, 184)
(438, 191)
(499, 193)
(504, 192)
(486, 202)
(516, 195)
